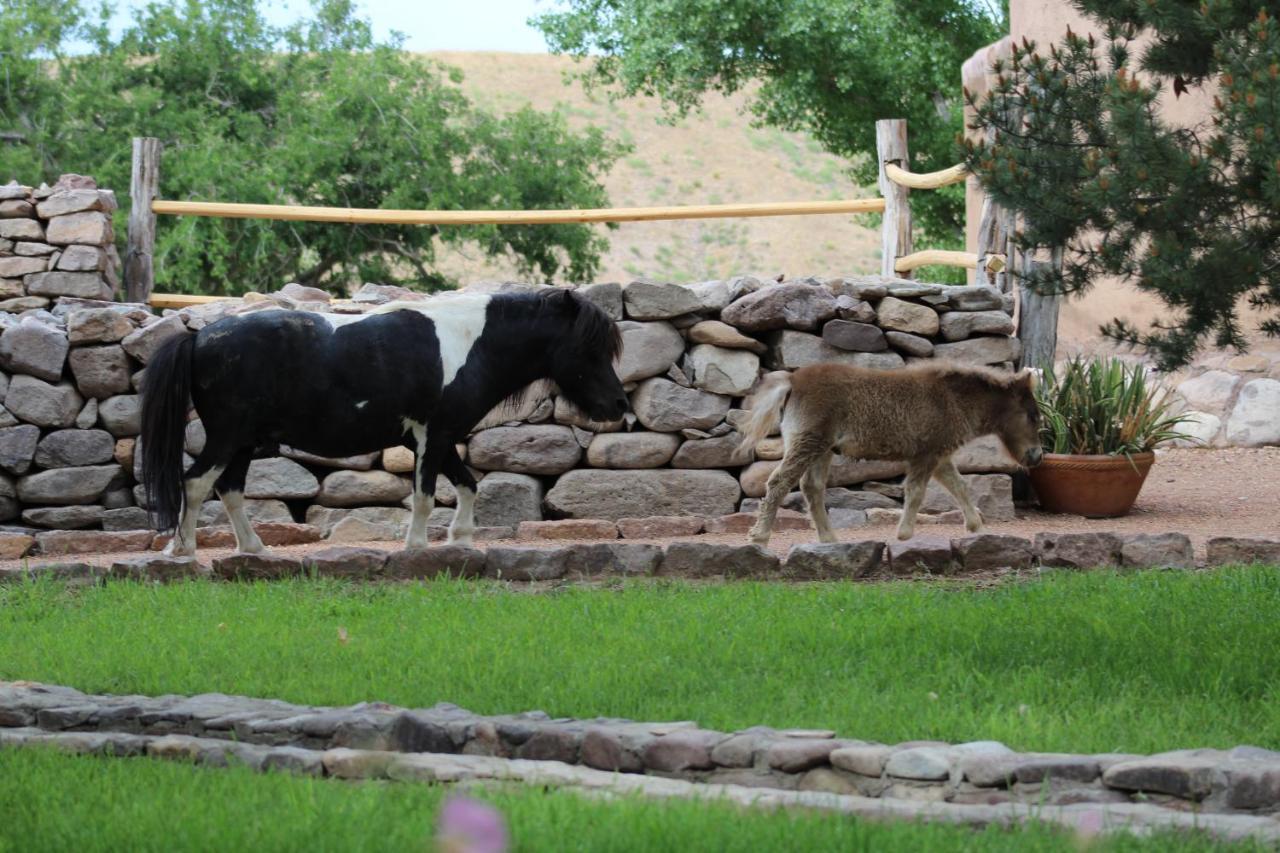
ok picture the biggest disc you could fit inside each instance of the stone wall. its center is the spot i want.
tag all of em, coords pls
(692, 353)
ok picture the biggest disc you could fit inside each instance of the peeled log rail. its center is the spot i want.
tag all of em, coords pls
(945, 258)
(925, 180)
(299, 213)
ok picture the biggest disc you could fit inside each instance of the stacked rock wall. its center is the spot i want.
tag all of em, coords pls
(56, 241)
(692, 354)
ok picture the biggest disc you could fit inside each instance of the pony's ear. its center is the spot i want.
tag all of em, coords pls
(563, 297)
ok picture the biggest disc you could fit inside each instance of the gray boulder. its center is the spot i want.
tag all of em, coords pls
(87, 285)
(121, 415)
(853, 336)
(607, 297)
(280, 478)
(18, 447)
(722, 371)
(632, 449)
(535, 449)
(1255, 420)
(790, 305)
(981, 350)
(663, 406)
(101, 371)
(358, 488)
(37, 402)
(789, 350)
(63, 486)
(900, 316)
(958, 325)
(34, 348)
(64, 517)
(718, 452)
(636, 494)
(504, 500)
(143, 343)
(648, 349)
(975, 297)
(69, 448)
(646, 300)
(97, 326)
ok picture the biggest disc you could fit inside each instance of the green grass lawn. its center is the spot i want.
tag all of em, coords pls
(50, 801)
(1072, 662)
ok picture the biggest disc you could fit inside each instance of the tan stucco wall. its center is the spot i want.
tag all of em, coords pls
(1045, 22)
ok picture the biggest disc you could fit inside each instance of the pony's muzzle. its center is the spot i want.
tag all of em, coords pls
(1033, 457)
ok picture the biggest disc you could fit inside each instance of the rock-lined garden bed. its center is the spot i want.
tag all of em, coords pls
(983, 552)
(1229, 791)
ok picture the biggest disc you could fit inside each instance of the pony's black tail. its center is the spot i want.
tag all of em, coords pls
(166, 394)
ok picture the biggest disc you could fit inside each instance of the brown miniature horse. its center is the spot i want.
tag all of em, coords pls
(921, 415)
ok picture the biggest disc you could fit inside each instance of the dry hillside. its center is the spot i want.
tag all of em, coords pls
(711, 158)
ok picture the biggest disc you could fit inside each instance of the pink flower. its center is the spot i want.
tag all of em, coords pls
(470, 826)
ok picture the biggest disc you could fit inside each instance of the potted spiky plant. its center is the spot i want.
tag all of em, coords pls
(1102, 420)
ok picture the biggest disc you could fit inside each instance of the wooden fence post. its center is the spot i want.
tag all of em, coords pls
(895, 233)
(138, 271)
(1038, 314)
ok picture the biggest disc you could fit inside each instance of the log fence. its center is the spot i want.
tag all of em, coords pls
(896, 181)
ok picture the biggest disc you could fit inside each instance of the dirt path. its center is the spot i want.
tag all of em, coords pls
(1202, 493)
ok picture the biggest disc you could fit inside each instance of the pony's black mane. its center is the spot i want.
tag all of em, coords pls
(591, 332)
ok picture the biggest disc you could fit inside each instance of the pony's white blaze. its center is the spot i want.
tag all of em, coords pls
(459, 320)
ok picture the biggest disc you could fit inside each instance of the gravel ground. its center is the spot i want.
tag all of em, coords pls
(1202, 493)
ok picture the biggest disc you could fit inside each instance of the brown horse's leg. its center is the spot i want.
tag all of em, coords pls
(814, 486)
(918, 473)
(951, 480)
(800, 454)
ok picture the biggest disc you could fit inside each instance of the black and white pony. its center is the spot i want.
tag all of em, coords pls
(421, 374)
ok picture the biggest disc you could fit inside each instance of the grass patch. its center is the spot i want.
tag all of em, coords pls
(1099, 661)
(50, 801)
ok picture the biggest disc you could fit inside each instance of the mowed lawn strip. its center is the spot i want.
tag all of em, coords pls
(1077, 662)
(50, 801)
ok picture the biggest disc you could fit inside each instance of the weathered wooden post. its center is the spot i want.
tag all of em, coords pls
(895, 232)
(1038, 314)
(138, 273)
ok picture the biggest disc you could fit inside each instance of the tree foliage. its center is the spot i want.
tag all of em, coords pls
(318, 113)
(1190, 214)
(830, 68)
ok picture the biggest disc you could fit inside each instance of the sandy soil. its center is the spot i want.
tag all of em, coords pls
(1203, 493)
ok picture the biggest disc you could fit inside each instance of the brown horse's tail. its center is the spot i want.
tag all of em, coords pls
(766, 411)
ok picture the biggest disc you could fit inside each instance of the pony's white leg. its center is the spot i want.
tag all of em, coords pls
(814, 486)
(464, 517)
(423, 503)
(917, 480)
(951, 480)
(247, 541)
(195, 490)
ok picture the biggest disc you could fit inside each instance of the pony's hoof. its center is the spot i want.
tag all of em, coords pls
(461, 539)
(761, 539)
(974, 528)
(173, 550)
(904, 535)
(260, 549)
(829, 539)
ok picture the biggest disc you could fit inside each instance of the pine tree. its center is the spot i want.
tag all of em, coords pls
(1079, 149)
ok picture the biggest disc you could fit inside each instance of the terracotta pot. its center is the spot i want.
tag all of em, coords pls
(1092, 486)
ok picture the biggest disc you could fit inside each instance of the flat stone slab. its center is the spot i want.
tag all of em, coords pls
(987, 551)
(525, 564)
(346, 561)
(929, 554)
(612, 558)
(1078, 550)
(458, 561)
(833, 561)
(158, 568)
(257, 567)
(1224, 550)
(705, 559)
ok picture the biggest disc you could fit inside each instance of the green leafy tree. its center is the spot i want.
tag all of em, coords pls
(829, 68)
(1190, 214)
(318, 113)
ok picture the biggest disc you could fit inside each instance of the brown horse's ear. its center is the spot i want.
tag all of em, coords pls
(1028, 377)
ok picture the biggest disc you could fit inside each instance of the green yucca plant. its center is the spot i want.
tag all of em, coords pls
(1103, 406)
